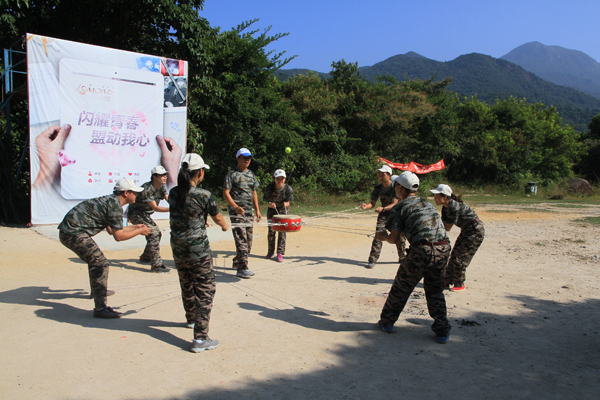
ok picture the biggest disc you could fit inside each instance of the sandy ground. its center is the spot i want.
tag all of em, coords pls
(526, 327)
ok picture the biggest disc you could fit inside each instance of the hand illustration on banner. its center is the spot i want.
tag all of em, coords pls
(49, 143)
(170, 158)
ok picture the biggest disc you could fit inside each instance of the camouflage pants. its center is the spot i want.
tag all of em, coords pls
(197, 281)
(86, 248)
(426, 262)
(152, 249)
(242, 236)
(378, 244)
(272, 233)
(466, 245)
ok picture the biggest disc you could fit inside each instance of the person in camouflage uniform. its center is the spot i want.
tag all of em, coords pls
(189, 207)
(385, 191)
(89, 218)
(239, 190)
(278, 196)
(141, 212)
(472, 232)
(426, 258)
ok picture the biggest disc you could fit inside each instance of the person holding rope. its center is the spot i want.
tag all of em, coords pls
(239, 192)
(141, 212)
(426, 258)
(89, 218)
(189, 207)
(278, 196)
(385, 191)
(472, 232)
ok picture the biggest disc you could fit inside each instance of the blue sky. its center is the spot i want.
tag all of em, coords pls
(324, 31)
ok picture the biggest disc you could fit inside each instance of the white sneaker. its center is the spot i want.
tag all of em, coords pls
(245, 273)
(370, 265)
(207, 344)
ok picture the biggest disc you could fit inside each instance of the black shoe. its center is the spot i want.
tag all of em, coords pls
(107, 312)
(161, 269)
(108, 293)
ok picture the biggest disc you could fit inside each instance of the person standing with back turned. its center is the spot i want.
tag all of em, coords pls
(189, 208)
(472, 232)
(239, 191)
(427, 257)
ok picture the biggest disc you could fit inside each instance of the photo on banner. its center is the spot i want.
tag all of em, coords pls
(98, 115)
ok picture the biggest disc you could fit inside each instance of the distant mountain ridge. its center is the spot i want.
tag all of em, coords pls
(558, 65)
(489, 79)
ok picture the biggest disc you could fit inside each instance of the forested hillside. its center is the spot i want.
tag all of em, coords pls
(489, 79)
(492, 79)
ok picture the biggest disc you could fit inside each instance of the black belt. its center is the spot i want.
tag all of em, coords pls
(426, 243)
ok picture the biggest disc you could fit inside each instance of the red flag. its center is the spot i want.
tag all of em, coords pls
(415, 167)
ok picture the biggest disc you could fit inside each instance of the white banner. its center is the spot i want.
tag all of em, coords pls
(97, 115)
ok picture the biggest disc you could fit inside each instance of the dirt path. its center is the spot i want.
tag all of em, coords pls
(526, 327)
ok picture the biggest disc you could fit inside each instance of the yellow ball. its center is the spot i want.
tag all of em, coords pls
(288, 150)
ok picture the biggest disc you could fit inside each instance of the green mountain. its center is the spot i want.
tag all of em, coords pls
(490, 79)
(558, 65)
(285, 74)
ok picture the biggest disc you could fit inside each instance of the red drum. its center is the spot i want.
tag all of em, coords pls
(286, 223)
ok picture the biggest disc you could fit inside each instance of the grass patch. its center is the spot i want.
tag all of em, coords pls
(591, 220)
(575, 240)
(502, 211)
(568, 205)
(542, 210)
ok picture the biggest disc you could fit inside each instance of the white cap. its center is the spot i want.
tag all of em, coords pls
(442, 189)
(194, 162)
(159, 170)
(408, 180)
(279, 173)
(243, 152)
(127, 184)
(385, 168)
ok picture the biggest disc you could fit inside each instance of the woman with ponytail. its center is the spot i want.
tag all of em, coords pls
(472, 232)
(189, 207)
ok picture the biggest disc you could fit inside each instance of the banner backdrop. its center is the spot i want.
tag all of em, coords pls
(97, 115)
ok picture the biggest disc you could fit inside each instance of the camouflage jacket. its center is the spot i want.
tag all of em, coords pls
(93, 215)
(241, 185)
(458, 213)
(149, 194)
(278, 196)
(387, 195)
(188, 226)
(417, 219)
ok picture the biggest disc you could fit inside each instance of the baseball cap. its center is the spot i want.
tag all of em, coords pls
(194, 162)
(279, 173)
(442, 189)
(159, 170)
(127, 184)
(243, 152)
(385, 168)
(408, 180)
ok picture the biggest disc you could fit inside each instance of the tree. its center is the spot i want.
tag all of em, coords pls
(594, 127)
